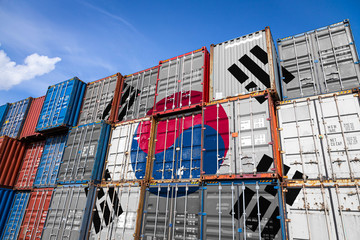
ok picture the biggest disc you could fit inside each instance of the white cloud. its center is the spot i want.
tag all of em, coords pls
(34, 65)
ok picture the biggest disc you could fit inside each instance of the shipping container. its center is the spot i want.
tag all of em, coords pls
(12, 153)
(84, 154)
(49, 165)
(61, 106)
(32, 118)
(242, 210)
(116, 211)
(240, 138)
(177, 147)
(16, 214)
(243, 65)
(322, 211)
(69, 212)
(101, 100)
(30, 163)
(3, 111)
(320, 61)
(15, 118)
(128, 151)
(320, 137)
(138, 95)
(183, 82)
(35, 214)
(6, 199)
(171, 211)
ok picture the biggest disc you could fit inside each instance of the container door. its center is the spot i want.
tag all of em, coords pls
(178, 147)
(172, 212)
(346, 209)
(340, 127)
(337, 58)
(301, 142)
(241, 211)
(310, 213)
(115, 213)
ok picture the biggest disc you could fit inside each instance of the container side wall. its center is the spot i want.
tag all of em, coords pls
(32, 118)
(6, 199)
(3, 111)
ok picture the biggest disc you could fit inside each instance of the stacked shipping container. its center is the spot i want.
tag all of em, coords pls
(152, 158)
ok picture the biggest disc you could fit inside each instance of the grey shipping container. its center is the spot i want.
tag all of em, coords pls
(171, 211)
(244, 64)
(69, 212)
(137, 95)
(116, 211)
(84, 154)
(320, 137)
(240, 138)
(243, 210)
(320, 61)
(15, 118)
(128, 151)
(100, 100)
(323, 211)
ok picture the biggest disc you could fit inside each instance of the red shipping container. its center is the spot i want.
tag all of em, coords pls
(35, 214)
(29, 165)
(32, 118)
(10, 160)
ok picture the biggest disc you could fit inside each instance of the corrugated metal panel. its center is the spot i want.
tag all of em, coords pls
(62, 105)
(10, 161)
(30, 163)
(183, 81)
(50, 161)
(115, 212)
(243, 210)
(240, 138)
(32, 118)
(171, 211)
(323, 212)
(84, 154)
(320, 137)
(319, 61)
(15, 218)
(128, 151)
(244, 64)
(69, 212)
(138, 94)
(99, 102)
(15, 118)
(4, 141)
(35, 214)
(178, 147)
(6, 199)
(3, 111)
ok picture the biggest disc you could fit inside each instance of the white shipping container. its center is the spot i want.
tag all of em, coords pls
(323, 212)
(320, 137)
(115, 212)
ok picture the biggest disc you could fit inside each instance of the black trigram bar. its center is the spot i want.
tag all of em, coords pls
(124, 105)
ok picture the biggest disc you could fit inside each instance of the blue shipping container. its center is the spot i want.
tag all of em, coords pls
(50, 162)
(15, 118)
(16, 216)
(84, 154)
(6, 198)
(61, 105)
(3, 111)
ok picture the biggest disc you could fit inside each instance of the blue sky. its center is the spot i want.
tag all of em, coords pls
(45, 42)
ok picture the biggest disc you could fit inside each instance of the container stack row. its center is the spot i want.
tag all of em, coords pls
(238, 143)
